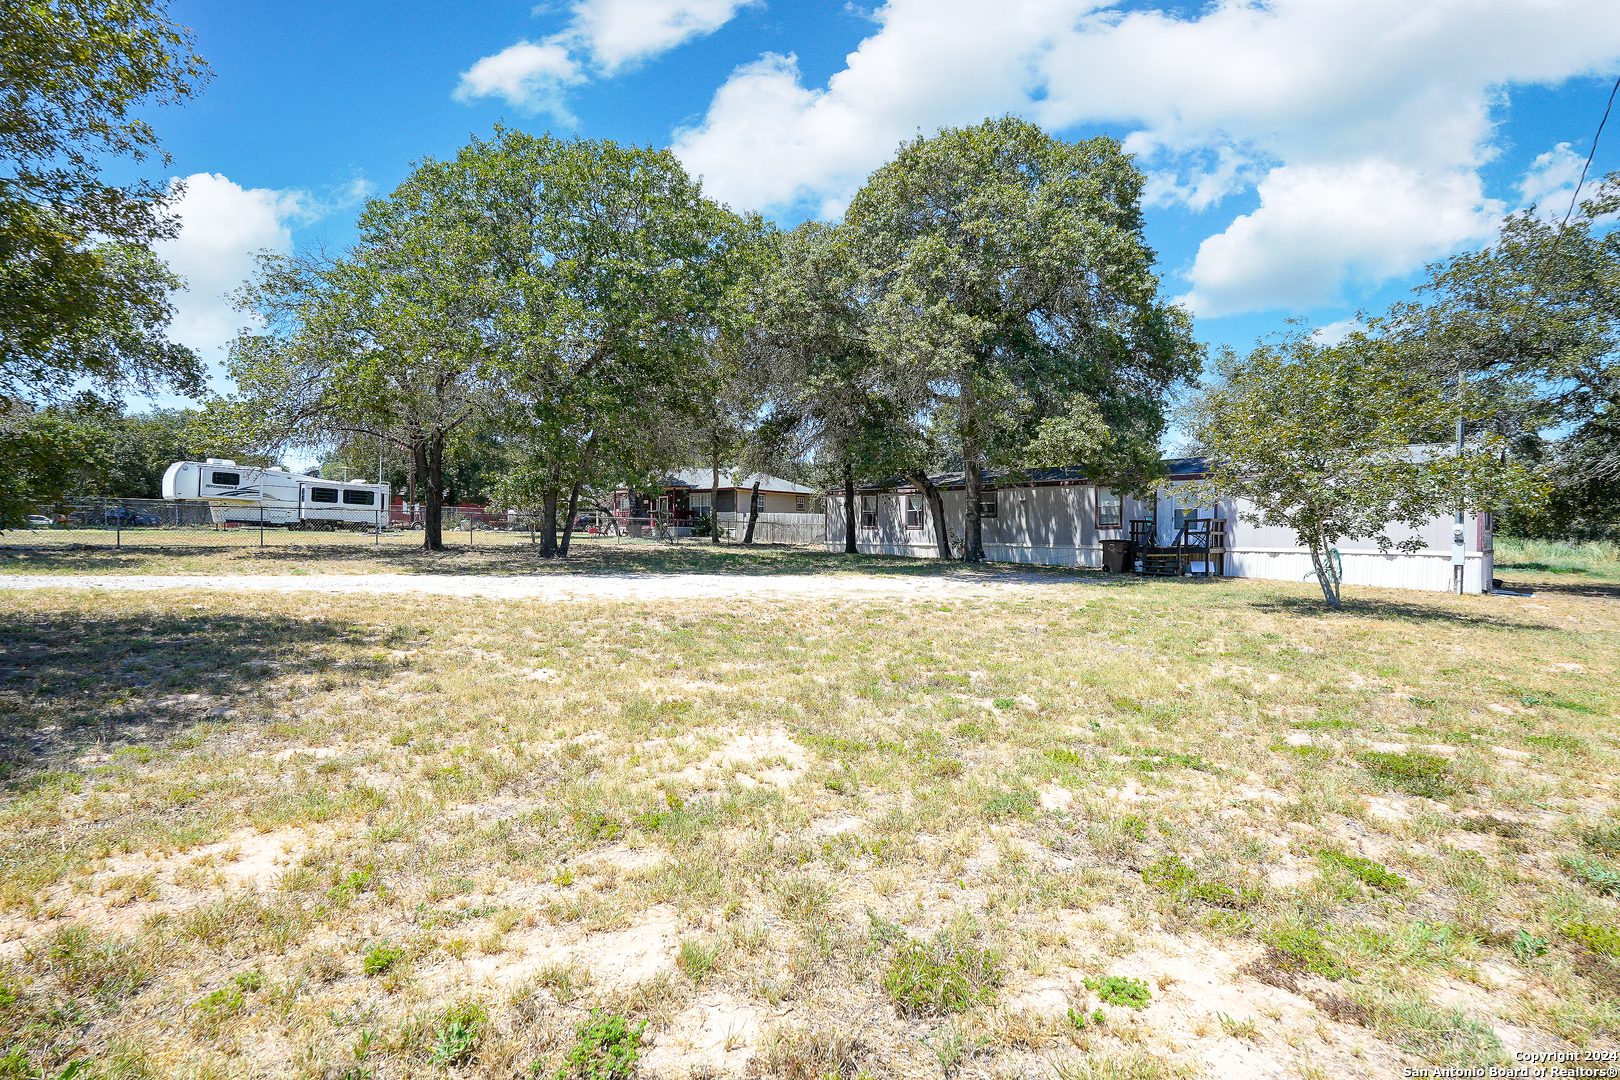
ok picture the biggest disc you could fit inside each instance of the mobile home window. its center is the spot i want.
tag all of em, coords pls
(1108, 510)
(801, 504)
(868, 511)
(360, 498)
(226, 479)
(323, 495)
(987, 504)
(1185, 514)
(914, 511)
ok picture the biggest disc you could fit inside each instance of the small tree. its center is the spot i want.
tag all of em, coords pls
(1326, 440)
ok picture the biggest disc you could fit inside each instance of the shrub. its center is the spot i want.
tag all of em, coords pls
(935, 979)
(607, 1049)
(1119, 990)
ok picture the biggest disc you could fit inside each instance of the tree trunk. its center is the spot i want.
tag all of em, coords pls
(972, 534)
(936, 511)
(849, 509)
(548, 524)
(432, 461)
(573, 492)
(573, 509)
(714, 494)
(410, 507)
(1324, 576)
(753, 513)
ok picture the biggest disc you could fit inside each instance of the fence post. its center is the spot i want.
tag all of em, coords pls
(261, 521)
(377, 542)
(118, 524)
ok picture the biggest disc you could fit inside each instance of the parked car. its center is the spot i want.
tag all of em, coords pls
(40, 521)
(108, 516)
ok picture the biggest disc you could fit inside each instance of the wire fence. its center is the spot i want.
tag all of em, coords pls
(129, 522)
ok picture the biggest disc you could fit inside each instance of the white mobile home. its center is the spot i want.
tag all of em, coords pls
(249, 495)
(1056, 517)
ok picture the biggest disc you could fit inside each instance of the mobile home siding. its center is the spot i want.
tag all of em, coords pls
(1056, 525)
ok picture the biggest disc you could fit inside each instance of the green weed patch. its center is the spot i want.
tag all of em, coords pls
(1415, 772)
(934, 979)
(1599, 939)
(607, 1049)
(1120, 990)
(1364, 870)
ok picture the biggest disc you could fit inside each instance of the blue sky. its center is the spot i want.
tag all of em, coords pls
(1305, 157)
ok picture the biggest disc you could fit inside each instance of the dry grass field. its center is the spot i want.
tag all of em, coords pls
(1105, 829)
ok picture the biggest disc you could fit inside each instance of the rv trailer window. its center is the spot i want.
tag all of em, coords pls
(360, 498)
(226, 479)
(323, 495)
(1107, 509)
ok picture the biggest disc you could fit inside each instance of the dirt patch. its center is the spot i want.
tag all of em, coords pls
(769, 758)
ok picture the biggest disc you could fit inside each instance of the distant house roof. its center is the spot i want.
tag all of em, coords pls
(1186, 468)
(703, 480)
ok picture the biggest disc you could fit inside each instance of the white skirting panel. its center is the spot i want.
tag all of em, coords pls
(1431, 573)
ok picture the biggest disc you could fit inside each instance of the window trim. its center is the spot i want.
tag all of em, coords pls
(873, 512)
(921, 511)
(988, 499)
(801, 504)
(1118, 521)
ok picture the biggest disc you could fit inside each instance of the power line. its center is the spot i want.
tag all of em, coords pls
(1590, 156)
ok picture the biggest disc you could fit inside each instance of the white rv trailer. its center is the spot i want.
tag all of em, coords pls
(247, 494)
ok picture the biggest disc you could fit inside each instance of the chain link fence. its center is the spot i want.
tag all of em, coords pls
(128, 521)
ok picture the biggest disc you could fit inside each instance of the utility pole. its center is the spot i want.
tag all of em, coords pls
(1459, 545)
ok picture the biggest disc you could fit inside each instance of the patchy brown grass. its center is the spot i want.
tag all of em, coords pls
(309, 835)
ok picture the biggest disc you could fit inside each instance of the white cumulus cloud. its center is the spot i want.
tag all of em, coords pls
(603, 37)
(223, 225)
(1361, 125)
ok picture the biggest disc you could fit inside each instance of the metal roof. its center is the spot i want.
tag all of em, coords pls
(703, 479)
(1186, 468)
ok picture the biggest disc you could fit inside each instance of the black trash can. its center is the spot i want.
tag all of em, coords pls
(1116, 556)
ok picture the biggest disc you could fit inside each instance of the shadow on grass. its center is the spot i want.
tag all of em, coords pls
(1595, 590)
(71, 682)
(496, 554)
(1394, 610)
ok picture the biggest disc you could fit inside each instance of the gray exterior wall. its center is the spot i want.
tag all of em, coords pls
(1056, 525)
